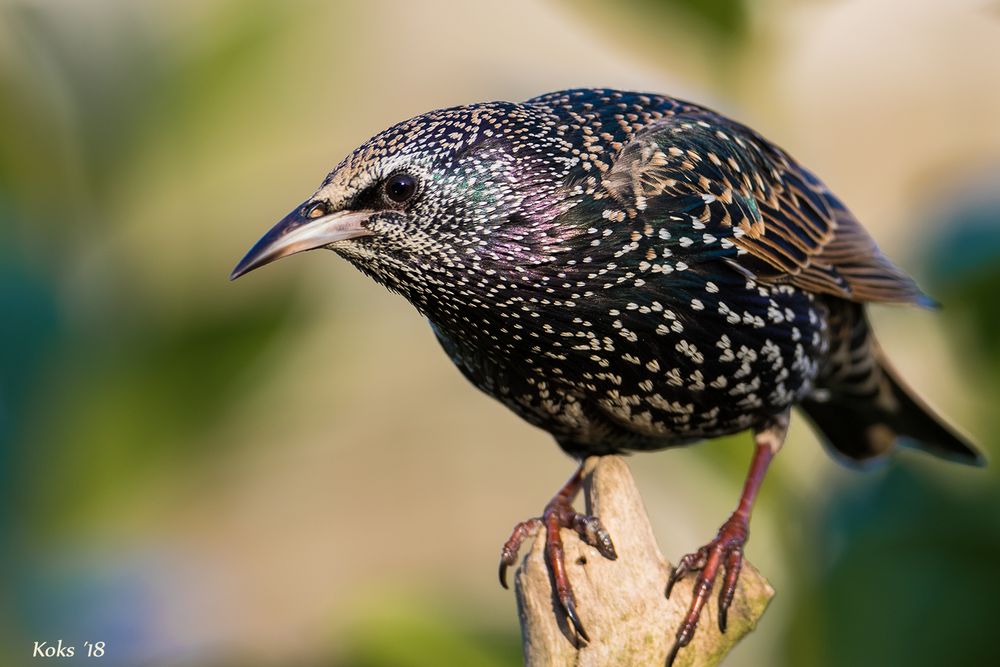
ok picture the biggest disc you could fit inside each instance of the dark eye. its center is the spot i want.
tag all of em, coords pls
(316, 210)
(400, 187)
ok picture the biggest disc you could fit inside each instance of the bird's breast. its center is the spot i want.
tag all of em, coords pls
(648, 366)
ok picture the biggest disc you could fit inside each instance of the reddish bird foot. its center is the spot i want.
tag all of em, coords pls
(726, 550)
(558, 514)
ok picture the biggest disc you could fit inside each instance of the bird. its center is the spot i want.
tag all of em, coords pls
(629, 272)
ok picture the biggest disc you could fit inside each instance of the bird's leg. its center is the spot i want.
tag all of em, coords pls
(726, 550)
(558, 514)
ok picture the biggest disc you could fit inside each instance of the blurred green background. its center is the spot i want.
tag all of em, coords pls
(287, 471)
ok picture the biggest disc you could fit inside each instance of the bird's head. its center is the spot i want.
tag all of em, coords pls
(440, 201)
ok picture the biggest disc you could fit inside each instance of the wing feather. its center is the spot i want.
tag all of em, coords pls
(791, 227)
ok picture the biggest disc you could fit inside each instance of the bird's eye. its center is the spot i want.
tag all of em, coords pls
(400, 187)
(316, 210)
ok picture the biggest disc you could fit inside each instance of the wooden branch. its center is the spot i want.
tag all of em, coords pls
(622, 603)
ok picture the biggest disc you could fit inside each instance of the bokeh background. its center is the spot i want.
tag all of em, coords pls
(287, 471)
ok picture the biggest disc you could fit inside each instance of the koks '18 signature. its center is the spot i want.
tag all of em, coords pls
(63, 650)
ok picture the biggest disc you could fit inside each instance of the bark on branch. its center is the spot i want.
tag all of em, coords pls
(622, 603)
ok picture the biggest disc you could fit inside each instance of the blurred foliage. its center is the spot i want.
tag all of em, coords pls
(709, 35)
(122, 367)
(962, 256)
(129, 379)
(724, 22)
(901, 564)
(420, 633)
(90, 105)
(140, 401)
(963, 264)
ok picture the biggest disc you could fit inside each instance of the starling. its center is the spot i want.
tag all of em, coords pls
(628, 272)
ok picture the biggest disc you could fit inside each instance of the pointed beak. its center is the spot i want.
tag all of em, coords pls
(297, 233)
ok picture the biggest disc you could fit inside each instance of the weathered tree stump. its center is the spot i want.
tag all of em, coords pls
(622, 602)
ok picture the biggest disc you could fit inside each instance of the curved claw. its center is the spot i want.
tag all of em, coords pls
(508, 554)
(592, 531)
(569, 606)
(673, 654)
(674, 577)
(687, 563)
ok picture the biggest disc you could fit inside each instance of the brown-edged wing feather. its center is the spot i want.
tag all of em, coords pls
(791, 227)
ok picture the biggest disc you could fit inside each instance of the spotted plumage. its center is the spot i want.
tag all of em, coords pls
(626, 271)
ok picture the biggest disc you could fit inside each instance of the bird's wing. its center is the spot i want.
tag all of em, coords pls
(788, 226)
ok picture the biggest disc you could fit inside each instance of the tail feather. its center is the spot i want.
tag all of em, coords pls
(863, 409)
(862, 430)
